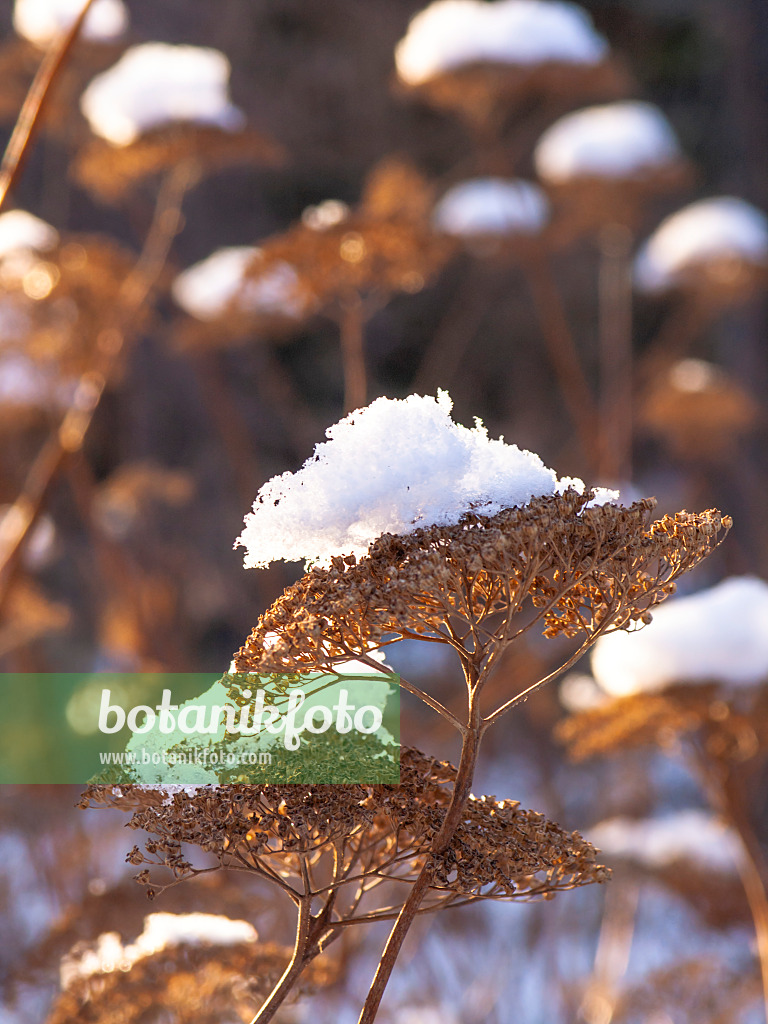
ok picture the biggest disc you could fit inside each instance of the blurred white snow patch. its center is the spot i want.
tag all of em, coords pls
(492, 206)
(425, 1015)
(325, 215)
(392, 467)
(25, 383)
(156, 83)
(161, 931)
(692, 836)
(616, 140)
(579, 692)
(207, 289)
(452, 33)
(724, 228)
(41, 21)
(718, 635)
(693, 375)
(21, 231)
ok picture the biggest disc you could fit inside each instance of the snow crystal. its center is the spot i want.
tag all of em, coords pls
(452, 33)
(719, 634)
(40, 21)
(612, 141)
(492, 206)
(392, 467)
(156, 83)
(160, 932)
(21, 231)
(207, 289)
(691, 836)
(711, 229)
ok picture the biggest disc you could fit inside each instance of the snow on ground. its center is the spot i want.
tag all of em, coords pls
(492, 206)
(725, 228)
(451, 33)
(392, 467)
(156, 83)
(207, 289)
(161, 931)
(692, 836)
(616, 140)
(719, 634)
(41, 21)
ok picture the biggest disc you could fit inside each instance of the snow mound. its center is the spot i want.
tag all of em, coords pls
(392, 467)
(41, 21)
(161, 931)
(616, 140)
(207, 289)
(157, 83)
(492, 206)
(21, 231)
(451, 33)
(692, 836)
(725, 228)
(719, 634)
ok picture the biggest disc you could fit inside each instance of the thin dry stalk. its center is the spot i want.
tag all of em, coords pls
(615, 242)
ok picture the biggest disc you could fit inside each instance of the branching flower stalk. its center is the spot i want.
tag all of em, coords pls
(568, 567)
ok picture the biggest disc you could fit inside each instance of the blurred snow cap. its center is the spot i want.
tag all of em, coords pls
(616, 140)
(717, 635)
(724, 228)
(452, 33)
(689, 836)
(21, 232)
(392, 467)
(41, 21)
(156, 83)
(161, 931)
(209, 288)
(492, 206)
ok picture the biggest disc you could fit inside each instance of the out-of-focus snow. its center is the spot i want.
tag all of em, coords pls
(21, 231)
(392, 467)
(25, 383)
(689, 836)
(453, 33)
(161, 931)
(617, 140)
(325, 215)
(492, 206)
(719, 634)
(41, 21)
(207, 289)
(724, 228)
(156, 83)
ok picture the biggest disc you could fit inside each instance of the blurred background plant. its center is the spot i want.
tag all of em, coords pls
(478, 201)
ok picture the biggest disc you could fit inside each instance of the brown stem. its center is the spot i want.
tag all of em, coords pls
(70, 435)
(35, 101)
(296, 965)
(562, 352)
(352, 326)
(616, 388)
(462, 787)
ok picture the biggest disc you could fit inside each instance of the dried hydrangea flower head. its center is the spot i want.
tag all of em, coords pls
(477, 58)
(158, 106)
(602, 163)
(698, 410)
(206, 966)
(715, 251)
(700, 667)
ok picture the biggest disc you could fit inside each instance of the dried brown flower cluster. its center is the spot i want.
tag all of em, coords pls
(340, 843)
(204, 984)
(573, 569)
(481, 93)
(112, 172)
(732, 727)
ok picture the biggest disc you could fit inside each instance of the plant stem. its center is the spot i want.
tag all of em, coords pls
(462, 787)
(296, 965)
(34, 103)
(352, 323)
(616, 376)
